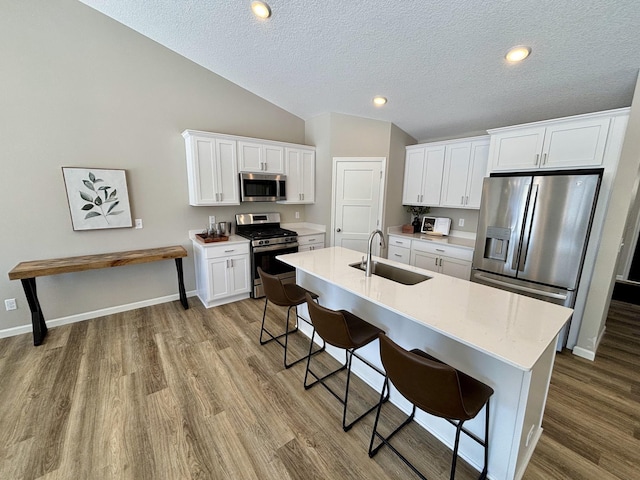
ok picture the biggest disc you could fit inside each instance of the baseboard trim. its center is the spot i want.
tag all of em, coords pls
(80, 317)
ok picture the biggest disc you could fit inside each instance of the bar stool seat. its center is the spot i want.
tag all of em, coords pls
(436, 388)
(287, 295)
(341, 329)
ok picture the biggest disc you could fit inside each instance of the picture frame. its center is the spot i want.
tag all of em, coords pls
(98, 198)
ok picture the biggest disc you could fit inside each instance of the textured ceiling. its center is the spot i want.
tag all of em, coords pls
(440, 63)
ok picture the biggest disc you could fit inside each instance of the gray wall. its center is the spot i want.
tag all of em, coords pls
(339, 135)
(80, 89)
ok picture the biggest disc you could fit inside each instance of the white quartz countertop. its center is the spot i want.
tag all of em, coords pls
(510, 327)
(448, 240)
(307, 231)
(232, 239)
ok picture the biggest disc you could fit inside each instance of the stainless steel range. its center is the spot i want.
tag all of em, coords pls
(268, 240)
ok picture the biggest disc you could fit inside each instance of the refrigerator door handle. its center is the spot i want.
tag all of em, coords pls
(526, 236)
(521, 228)
(520, 288)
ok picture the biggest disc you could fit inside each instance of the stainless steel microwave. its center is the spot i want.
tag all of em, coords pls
(261, 187)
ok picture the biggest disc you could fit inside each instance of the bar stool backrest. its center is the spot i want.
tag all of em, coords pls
(431, 385)
(330, 325)
(273, 289)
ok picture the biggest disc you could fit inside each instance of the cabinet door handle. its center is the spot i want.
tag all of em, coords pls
(303, 196)
(537, 158)
(338, 229)
(227, 262)
(544, 158)
(462, 200)
(466, 200)
(436, 262)
(421, 198)
(418, 199)
(440, 262)
(231, 262)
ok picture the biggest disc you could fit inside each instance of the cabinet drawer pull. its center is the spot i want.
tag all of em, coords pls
(440, 250)
(229, 251)
(397, 255)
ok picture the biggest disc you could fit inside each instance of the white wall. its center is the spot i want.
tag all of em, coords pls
(80, 89)
(622, 195)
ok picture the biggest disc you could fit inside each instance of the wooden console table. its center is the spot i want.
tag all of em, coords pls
(28, 271)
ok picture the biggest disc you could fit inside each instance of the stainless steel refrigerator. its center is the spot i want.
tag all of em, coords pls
(533, 232)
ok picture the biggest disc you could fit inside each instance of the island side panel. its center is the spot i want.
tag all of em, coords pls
(538, 388)
(509, 403)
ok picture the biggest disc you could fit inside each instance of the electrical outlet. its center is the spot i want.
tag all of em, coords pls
(297, 214)
(461, 222)
(10, 304)
(212, 220)
(138, 223)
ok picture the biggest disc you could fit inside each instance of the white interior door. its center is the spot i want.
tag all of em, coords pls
(357, 201)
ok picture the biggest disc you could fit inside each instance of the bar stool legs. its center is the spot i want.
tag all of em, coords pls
(277, 338)
(349, 354)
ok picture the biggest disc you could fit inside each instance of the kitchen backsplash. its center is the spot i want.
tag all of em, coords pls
(470, 218)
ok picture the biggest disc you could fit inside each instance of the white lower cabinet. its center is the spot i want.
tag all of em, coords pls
(442, 258)
(310, 242)
(223, 273)
(399, 249)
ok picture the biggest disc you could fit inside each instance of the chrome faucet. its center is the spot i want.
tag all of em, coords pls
(369, 266)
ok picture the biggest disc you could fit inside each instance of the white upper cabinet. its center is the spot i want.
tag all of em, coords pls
(465, 165)
(301, 174)
(423, 175)
(555, 144)
(447, 174)
(211, 169)
(260, 157)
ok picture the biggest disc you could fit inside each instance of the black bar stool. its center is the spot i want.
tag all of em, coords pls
(284, 295)
(436, 388)
(342, 329)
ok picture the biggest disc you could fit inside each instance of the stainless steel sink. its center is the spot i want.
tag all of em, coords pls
(394, 274)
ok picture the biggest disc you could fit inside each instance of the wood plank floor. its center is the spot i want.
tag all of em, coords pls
(164, 393)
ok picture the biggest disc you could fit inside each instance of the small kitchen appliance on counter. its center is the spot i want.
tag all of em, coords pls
(438, 226)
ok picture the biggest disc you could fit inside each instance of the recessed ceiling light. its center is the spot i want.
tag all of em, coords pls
(517, 54)
(379, 101)
(261, 9)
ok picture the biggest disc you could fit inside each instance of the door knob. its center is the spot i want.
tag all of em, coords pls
(338, 229)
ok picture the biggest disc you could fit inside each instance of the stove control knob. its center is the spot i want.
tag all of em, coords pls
(266, 242)
(260, 242)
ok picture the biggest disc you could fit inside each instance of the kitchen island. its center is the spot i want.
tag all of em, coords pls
(504, 340)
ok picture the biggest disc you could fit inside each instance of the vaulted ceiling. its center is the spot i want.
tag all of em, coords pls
(440, 63)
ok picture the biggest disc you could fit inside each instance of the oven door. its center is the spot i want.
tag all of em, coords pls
(265, 258)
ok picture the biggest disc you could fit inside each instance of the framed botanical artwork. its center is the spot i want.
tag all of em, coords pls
(98, 198)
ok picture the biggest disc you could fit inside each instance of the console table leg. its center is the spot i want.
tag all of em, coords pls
(37, 319)
(183, 294)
